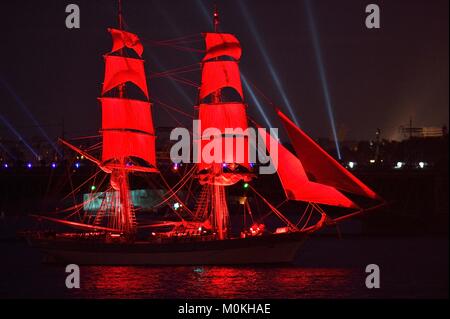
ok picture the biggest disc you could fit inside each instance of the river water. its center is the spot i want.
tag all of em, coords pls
(325, 268)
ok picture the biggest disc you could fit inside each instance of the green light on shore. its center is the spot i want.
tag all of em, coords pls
(93, 188)
(246, 185)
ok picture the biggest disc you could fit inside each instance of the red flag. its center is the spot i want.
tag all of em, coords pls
(220, 44)
(125, 39)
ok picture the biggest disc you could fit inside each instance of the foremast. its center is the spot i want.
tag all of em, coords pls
(126, 218)
(127, 127)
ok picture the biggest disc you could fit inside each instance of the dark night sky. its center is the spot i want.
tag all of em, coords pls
(377, 78)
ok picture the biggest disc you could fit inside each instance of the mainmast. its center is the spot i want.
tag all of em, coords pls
(220, 217)
(120, 15)
(220, 70)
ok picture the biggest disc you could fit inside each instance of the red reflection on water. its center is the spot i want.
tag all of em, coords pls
(225, 282)
(117, 281)
(215, 282)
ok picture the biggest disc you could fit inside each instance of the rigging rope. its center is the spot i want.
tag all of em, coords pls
(173, 108)
(262, 94)
(270, 212)
(171, 45)
(307, 208)
(78, 188)
(180, 184)
(179, 70)
(83, 137)
(309, 217)
(168, 42)
(276, 211)
(173, 118)
(93, 147)
(182, 38)
(81, 205)
(184, 81)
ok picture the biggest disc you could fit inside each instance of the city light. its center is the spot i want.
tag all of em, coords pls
(372, 161)
(29, 165)
(422, 164)
(399, 165)
(176, 206)
(53, 165)
(351, 164)
(5, 165)
(77, 165)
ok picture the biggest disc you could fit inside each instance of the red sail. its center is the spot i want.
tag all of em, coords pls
(219, 74)
(233, 150)
(296, 183)
(119, 70)
(123, 39)
(127, 130)
(320, 166)
(126, 114)
(224, 116)
(120, 144)
(222, 44)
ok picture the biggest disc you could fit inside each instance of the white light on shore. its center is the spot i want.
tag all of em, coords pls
(399, 165)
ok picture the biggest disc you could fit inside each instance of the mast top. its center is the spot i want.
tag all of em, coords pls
(122, 86)
(216, 19)
(120, 15)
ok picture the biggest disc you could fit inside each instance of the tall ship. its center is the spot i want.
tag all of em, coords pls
(200, 227)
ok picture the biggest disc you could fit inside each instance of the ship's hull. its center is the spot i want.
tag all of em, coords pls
(271, 249)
